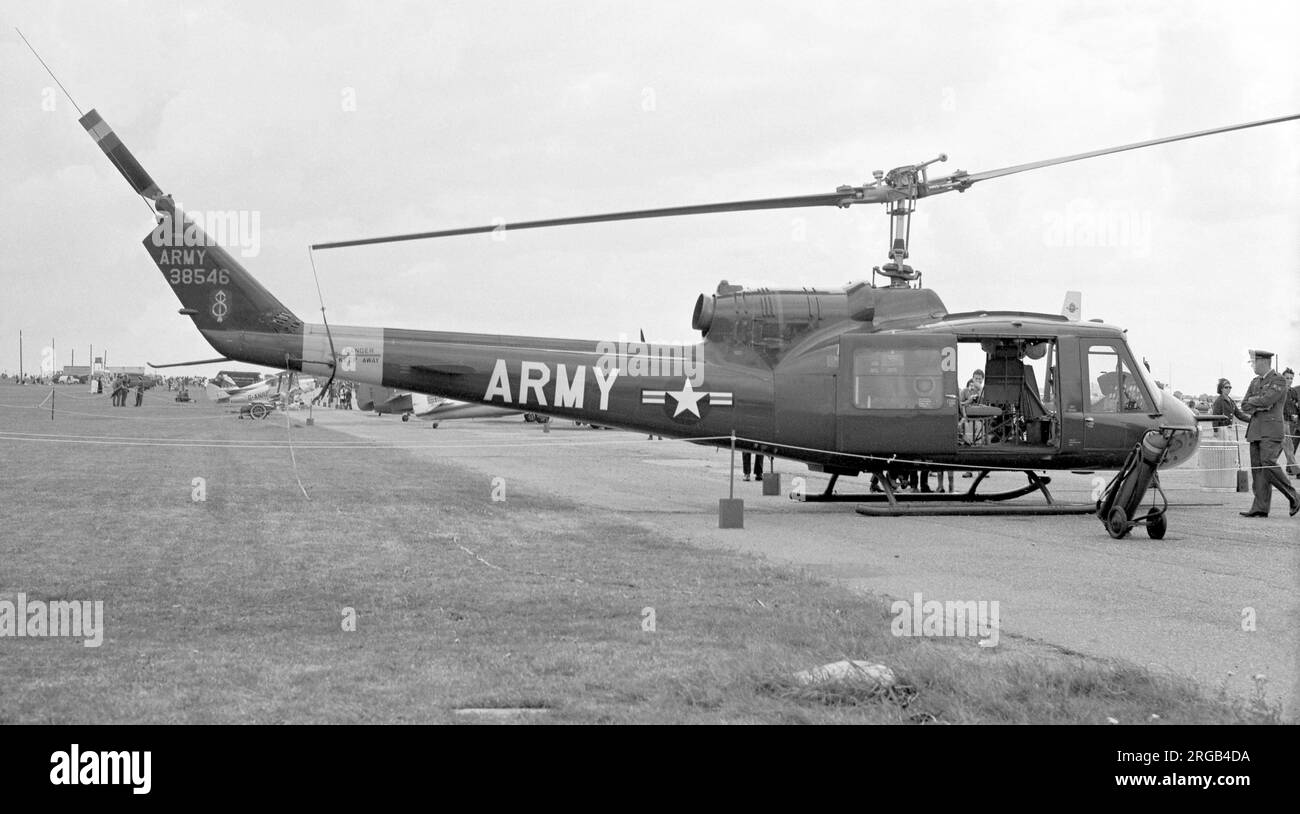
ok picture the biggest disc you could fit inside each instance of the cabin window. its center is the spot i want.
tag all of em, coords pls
(1113, 386)
(898, 379)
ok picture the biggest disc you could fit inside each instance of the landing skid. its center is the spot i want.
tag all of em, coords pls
(975, 509)
(952, 503)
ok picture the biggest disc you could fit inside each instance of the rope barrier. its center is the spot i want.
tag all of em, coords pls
(288, 431)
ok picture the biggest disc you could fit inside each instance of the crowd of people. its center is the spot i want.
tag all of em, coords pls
(339, 396)
(122, 391)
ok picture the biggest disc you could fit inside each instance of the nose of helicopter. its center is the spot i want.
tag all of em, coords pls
(1177, 416)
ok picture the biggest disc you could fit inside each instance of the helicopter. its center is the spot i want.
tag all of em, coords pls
(851, 381)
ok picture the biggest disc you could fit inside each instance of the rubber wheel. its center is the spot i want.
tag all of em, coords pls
(1156, 527)
(1117, 524)
(406, 416)
(258, 411)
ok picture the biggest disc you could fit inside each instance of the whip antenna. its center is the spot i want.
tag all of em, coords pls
(51, 73)
(334, 359)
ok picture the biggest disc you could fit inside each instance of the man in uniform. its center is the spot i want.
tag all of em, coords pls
(1291, 414)
(1264, 402)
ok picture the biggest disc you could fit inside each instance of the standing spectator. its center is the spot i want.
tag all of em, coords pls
(1291, 415)
(139, 394)
(1264, 401)
(1226, 407)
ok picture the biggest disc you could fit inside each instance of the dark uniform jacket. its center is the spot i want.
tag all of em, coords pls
(1292, 410)
(1264, 400)
(1226, 407)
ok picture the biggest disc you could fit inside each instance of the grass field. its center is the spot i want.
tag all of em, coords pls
(232, 609)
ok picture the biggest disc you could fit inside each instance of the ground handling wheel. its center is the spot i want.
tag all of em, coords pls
(1156, 527)
(1122, 497)
(259, 410)
(1117, 525)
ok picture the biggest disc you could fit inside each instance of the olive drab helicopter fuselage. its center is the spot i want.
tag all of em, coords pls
(864, 379)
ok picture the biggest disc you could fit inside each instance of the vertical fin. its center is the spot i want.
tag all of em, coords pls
(1072, 308)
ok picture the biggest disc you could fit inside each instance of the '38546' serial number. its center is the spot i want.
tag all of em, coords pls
(199, 276)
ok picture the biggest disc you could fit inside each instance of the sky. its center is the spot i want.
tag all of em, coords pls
(324, 121)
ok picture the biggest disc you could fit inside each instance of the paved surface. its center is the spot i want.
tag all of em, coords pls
(1174, 605)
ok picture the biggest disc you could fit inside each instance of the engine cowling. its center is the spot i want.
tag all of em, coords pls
(773, 321)
(764, 317)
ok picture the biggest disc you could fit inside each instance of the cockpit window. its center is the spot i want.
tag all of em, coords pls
(1114, 386)
(898, 379)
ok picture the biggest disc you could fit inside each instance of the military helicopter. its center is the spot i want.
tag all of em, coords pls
(851, 381)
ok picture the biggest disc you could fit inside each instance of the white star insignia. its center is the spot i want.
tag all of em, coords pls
(688, 399)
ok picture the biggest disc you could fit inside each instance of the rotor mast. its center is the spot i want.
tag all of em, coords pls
(911, 181)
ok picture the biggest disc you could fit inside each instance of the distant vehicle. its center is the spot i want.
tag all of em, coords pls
(449, 410)
(387, 401)
(222, 391)
(261, 408)
(284, 387)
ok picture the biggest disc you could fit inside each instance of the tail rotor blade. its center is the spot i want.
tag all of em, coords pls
(121, 157)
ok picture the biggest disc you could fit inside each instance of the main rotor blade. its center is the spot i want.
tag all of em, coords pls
(853, 195)
(842, 197)
(963, 181)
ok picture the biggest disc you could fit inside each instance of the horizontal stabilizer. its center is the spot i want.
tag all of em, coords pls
(446, 370)
(183, 364)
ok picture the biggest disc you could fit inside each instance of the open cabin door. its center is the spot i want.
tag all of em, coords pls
(897, 394)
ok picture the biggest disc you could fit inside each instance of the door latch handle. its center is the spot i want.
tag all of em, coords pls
(1089, 421)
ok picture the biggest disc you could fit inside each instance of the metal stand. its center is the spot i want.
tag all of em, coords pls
(731, 510)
